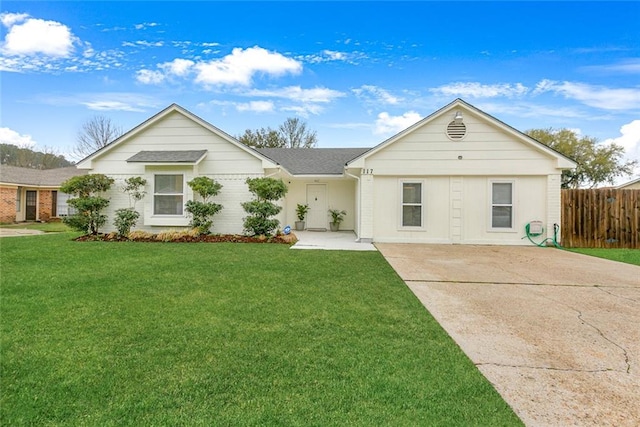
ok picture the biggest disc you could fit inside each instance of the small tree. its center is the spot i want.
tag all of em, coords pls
(88, 202)
(262, 209)
(127, 218)
(202, 211)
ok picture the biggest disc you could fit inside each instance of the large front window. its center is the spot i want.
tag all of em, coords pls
(412, 204)
(502, 205)
(168, 194)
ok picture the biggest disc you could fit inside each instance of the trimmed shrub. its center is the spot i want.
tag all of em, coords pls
(262, 209)
(88, 202)
(202, 212)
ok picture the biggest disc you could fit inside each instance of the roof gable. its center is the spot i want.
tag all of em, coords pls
(562, 161)
(149, 123)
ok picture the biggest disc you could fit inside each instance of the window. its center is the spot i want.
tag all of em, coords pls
(411, 204)
(502, 205)
(168, 194)
(62, 208)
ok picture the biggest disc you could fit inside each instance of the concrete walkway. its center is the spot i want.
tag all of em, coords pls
(557, 333)
(330, 240)
(16, 232)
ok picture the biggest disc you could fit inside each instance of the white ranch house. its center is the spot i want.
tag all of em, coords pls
(457, 176)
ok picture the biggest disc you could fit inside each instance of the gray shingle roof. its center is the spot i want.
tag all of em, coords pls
(312, 161)
(37, 177)
(188, 156)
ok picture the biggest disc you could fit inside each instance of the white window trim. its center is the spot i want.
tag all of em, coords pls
(401, 204)
(490, 226)
(183, 194)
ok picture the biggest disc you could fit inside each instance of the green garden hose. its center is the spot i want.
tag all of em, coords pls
(553, 239)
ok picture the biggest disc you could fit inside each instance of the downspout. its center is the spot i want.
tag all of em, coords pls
(357, 178)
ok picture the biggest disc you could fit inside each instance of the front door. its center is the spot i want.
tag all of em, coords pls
(31, 205)
(317, 200)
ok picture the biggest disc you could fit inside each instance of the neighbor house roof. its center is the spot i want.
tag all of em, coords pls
(188, 156)
(629, 184)
(37, 177)
(312, 161)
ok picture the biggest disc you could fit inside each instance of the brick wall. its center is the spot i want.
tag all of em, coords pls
(7, 204)
(44, 205)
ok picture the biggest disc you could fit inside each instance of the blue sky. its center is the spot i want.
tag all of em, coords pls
(357, 72)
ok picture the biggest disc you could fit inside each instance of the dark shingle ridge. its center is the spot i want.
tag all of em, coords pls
(182, 156)
(312, 161)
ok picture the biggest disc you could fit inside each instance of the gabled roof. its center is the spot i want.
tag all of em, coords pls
(312, 161)
(187, 156)
(86, 162)
(564, 162)
(37, 177)
(628, 184)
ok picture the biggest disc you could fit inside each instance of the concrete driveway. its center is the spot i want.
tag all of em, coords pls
(556, 333)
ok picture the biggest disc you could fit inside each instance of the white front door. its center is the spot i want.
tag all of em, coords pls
(317, 201)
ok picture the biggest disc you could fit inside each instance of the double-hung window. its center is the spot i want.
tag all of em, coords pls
(412, 204)
(502, 205)
(168, 194)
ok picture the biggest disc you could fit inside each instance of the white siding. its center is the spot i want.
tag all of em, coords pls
(457, 176)
(225, 162)
(484, 150)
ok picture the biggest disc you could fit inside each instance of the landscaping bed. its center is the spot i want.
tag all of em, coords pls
(185, 237)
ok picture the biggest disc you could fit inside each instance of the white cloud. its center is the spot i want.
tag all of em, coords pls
(178, 67)
(256, 106)
(37, 36)
(376, 95)
(304, 110)
(593, 96)
(296, 93)
(145, 25)
(631, 66)
(629, 139)
(239, 67)
(8, 19)
(111, 106)
(149, 77)
(479, 90)
(10, 136)
(387, 124)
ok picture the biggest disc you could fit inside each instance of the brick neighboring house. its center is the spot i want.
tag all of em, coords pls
(33, 194)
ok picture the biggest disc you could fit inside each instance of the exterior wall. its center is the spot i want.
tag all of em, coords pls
(458, 210)
(226, 163)
(485, 151)
(8, 204)
(340, 195)
(44, 205)
(456, 178)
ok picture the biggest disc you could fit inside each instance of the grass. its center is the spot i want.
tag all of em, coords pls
(630, 256)
(47, 227)
(96, 333)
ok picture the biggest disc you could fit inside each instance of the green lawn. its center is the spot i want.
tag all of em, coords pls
(99, 333)
(47, 227)
(630, 256)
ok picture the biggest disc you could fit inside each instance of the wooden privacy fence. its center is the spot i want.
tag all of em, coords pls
(600, 218)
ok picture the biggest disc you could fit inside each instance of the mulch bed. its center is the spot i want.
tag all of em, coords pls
(205, 238)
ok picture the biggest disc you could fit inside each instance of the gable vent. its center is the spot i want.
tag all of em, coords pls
(456, 130)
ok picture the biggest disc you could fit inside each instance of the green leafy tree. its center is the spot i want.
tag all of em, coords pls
(126, 218)
(293, 133)
(262, 138)
(597, 163)
(88, 202)
(261, 210)
(202, 211)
